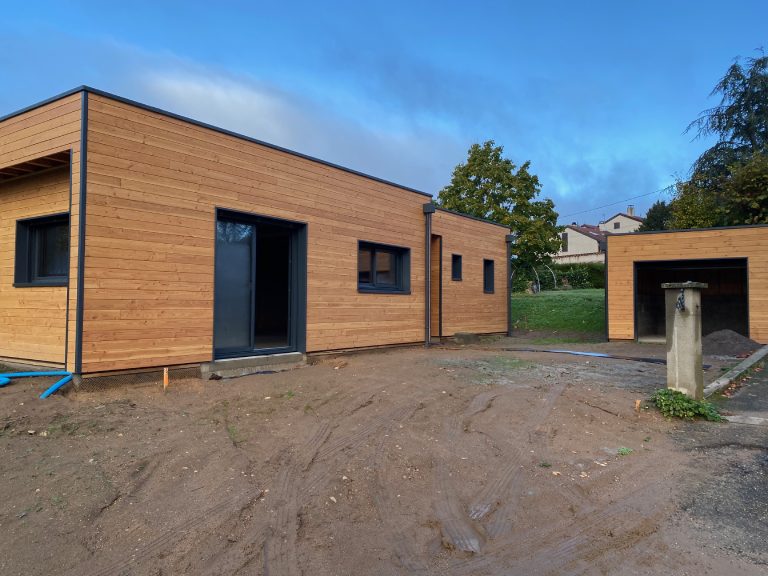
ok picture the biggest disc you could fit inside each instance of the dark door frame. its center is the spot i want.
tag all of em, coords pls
(297, 321)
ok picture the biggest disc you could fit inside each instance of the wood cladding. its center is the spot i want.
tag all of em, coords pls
(625, 250)
(32, 319)
(44, 132)
(466, 308)
(154, 183)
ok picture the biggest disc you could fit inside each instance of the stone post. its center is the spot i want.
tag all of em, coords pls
(683, 309)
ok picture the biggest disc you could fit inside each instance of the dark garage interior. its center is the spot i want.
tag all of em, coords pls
(724, 303)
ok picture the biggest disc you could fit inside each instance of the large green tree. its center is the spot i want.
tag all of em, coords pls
(490, 186)
(728, 182)
(658, 217)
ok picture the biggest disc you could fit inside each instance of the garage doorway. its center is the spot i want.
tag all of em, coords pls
(260, 286)
(724, 303)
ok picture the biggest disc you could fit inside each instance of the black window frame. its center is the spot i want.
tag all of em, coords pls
(456, 267)
(489, 281)
(616, 225)
(27, 255)
(564, 242)
(402, 256)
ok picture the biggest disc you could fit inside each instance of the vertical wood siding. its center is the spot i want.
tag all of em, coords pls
(466, 308)
(33, 320)
(625, 250)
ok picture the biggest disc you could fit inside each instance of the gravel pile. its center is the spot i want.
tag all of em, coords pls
(727, 343)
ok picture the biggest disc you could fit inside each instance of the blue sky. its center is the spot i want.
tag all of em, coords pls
(595, 94)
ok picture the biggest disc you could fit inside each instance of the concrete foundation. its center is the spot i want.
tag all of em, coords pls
(683, 319)
(253, 364)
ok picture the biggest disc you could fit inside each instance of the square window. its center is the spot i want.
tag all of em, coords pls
(42, 251)
(616, 225)
(488, 279)
(382, 268)
(455, 266)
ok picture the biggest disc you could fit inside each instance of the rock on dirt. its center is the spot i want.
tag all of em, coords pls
(727, 343)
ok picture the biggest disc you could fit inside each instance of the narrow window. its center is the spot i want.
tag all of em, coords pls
(382, 268)
(455, 266)
(565, 242)
(42, 251)
(616, 225)
(488, 276)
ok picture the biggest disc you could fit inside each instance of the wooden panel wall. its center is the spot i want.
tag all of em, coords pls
(625, 250)
(153, 185)
(435, 288)
(466, 308)
(54, 127)
(32, 320)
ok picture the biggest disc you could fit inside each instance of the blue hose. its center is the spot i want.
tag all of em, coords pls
(67, 376)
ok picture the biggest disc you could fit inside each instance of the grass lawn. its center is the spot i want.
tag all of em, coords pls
(560, 311)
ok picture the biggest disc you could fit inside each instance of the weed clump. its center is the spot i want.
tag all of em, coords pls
(673, 403)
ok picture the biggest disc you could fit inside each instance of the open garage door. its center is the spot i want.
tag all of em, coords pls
(724, 304)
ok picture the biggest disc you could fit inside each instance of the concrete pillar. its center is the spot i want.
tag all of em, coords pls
(683, 309)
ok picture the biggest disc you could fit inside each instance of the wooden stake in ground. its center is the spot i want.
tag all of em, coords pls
(165, 379)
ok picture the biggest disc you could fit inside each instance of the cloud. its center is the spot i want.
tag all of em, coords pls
(392, 114)
(415, 156)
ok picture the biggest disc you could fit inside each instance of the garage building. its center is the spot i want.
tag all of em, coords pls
(733, 261)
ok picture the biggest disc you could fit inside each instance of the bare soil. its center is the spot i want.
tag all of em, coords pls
(454, 460)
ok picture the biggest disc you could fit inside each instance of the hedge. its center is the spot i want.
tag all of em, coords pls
(587, 275)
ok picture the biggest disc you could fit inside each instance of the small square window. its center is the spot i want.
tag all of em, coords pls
(616, 225)
(455, 266)
(383, 269)
(488, 284)
(42, 251)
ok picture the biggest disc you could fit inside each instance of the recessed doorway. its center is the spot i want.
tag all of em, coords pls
(260, 285)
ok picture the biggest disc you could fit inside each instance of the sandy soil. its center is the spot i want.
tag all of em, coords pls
(467, 461)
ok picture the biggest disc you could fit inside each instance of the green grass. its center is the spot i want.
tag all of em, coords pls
(560, 311)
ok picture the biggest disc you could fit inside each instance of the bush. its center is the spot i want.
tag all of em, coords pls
(675, 403)
(589, 275)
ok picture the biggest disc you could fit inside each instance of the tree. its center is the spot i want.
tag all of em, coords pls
(658, 217)
(492, 187)
(728, 181)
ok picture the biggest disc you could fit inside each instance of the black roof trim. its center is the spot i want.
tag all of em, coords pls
(630, 234)
(210, 127)
(471, 217)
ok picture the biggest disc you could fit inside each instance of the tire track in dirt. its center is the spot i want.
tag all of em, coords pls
(494, 493)
(279, 549)
(545, 552)
(383, 502)
(458, 531)
(240, 502)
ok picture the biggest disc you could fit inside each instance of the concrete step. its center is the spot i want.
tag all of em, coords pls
(231, 367)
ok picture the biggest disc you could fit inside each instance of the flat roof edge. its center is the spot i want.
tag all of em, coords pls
(218, 129)
(710, 229)
(471, 217)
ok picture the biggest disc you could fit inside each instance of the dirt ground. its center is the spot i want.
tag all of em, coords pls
(449, 461)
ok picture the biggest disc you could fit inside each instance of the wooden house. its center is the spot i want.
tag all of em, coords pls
(132, 238)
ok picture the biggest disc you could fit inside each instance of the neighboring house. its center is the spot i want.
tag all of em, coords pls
(581, 243)
(733, 262)
(133, 239)
(587, 242)
(622, 223)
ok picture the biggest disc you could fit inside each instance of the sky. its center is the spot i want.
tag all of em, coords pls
(595, 94)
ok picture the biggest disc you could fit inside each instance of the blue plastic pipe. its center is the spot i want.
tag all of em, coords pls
(67, 376)
(56, 386)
